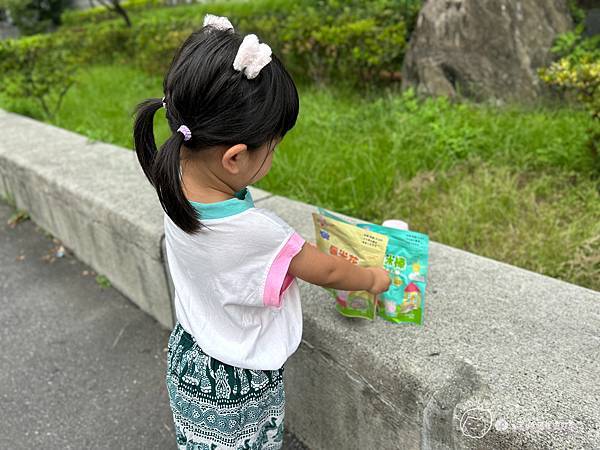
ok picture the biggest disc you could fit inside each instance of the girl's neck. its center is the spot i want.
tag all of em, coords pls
(206, 196)
(212, 190)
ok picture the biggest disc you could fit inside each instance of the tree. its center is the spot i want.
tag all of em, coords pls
(115, 6)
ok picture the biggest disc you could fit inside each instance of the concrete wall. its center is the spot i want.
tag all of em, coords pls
(507, 358)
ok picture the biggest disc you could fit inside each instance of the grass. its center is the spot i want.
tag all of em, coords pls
(515, 184)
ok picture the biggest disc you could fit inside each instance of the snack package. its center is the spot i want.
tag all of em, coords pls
(406, 260)
(340, 218)
(365, 248)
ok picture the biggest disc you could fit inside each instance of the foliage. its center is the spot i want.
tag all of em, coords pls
(40, 67)
(577, 73)
(577, 13)
(106, 42)
(359, 43)
(581, 76)
(578, 67)
(152, 43)
(76, 17)
(354, 42)
(35, 16)
(103, 281)
(116, 7)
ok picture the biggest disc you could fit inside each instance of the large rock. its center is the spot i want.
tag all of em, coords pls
(483, 48)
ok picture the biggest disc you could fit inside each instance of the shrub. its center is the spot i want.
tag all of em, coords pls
(102, 43)
(577, 74)
(321, 41)
(75, 17)
(578, 69)
(153, 43)
(40, 67)
(582, 77)
(35, 16)
(355, 42)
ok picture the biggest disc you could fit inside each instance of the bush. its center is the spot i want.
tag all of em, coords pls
(191, 10)
(582, 77)
(35, 16)
(578, 69)
(323, 41)
(40, 67)
(99, 14)
(327, 40)
(153, 43)
(102, 43)
(577, 74)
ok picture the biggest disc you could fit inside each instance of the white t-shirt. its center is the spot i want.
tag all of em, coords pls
(232, 290)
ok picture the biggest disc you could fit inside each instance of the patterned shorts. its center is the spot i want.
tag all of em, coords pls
(218, 406)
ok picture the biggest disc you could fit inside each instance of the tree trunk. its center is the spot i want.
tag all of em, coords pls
(121, 11)
(115, 5)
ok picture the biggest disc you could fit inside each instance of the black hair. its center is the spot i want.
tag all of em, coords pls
(219, 105)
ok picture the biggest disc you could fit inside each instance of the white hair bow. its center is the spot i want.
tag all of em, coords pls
(218, 22)
(251, 57)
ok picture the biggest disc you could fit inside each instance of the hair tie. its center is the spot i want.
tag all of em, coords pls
(187, 134)
(251, 56)
(218, 22)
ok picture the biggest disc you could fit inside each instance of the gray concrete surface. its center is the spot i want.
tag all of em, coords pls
(82, 366)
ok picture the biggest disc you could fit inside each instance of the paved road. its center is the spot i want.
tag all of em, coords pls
(81, 366)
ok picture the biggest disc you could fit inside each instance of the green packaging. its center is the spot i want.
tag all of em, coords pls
(407, 261)
(406, 258)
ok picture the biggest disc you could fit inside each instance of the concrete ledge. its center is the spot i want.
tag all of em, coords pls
(502, 348)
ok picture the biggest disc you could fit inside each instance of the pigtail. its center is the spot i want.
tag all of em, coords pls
(143, 135)
(166, 173)
(162, 167)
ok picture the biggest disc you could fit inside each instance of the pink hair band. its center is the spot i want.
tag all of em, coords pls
(187, 134)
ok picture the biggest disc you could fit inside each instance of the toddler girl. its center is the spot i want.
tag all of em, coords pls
(229, 102)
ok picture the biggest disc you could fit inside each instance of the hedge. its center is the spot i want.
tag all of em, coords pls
(357, 42)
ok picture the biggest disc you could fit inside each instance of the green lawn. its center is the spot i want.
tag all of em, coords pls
(514, 184)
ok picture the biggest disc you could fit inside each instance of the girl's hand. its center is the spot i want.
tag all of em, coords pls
(381, 280)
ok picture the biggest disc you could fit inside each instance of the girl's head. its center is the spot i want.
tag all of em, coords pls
(235, 121)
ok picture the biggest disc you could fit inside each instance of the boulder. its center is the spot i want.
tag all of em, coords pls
(483, 48)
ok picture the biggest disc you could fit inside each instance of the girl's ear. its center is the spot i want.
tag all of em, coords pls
(233, 159)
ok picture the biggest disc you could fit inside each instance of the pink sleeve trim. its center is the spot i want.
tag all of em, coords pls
(278, 278)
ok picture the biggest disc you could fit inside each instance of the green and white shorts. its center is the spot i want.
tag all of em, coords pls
(218, 406)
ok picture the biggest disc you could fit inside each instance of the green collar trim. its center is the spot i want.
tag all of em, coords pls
(240, 203)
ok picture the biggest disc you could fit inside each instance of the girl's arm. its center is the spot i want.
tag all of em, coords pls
(316, 267)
